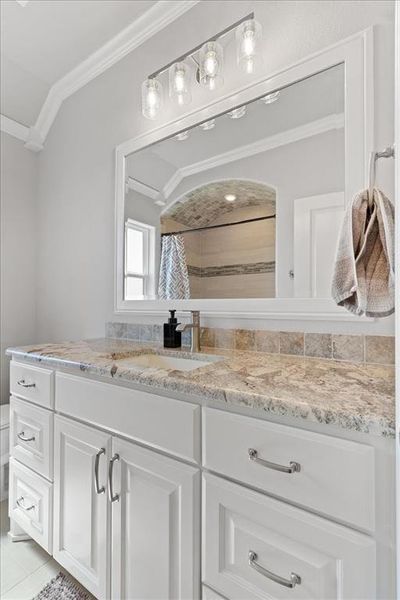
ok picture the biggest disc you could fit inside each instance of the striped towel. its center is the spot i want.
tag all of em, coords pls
(363, 278)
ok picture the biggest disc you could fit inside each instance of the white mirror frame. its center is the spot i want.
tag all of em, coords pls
(356, 53)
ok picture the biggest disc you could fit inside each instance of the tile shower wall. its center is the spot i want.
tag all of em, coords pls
(374, 349)
(224, 261)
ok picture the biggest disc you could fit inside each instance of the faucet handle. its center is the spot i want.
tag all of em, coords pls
(195, 316)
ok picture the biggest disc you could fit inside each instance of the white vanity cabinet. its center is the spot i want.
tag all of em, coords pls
(155, 525)
(81, 510)
(121, 509)
(283, 512)
(257, 547)
(115, 499)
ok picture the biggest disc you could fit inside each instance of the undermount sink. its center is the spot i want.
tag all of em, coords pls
(162, 361)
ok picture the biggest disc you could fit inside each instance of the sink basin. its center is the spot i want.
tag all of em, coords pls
(162, 361)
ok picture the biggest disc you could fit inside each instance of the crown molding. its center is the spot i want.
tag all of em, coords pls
(317, 127)
(34, 142)
(142, 188)
(148, 24)
(17, 130)
(172, 183)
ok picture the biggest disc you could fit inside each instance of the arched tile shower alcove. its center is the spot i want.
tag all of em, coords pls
(228, 228)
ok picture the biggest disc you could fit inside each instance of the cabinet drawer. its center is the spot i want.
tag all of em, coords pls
(32, 383)
(330, 560)
(336, 477)
(163, 423)
(31, 430)
(31, 503)
(208, 594)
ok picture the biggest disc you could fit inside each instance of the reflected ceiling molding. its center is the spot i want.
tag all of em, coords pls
(17, 130)
(323, 125)
(147, 25)
(142, 188)
(172, 183)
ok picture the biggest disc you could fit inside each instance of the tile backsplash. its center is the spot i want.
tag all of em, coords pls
(376, 349)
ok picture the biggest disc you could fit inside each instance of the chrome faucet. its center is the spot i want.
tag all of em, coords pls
(195, 327)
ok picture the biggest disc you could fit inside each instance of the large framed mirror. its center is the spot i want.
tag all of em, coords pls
(237, 208)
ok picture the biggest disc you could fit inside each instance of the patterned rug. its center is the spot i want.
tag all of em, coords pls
(62, 588)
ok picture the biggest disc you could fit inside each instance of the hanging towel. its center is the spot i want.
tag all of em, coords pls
(174, 277)
(363, 279)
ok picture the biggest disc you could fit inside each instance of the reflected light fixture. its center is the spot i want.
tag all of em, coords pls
(207, 125)
(151, 98)
(248, 35)
(238, 113)
(270, 98)
(182, 136)
(230, 197)
(179, 83)
(209, 60)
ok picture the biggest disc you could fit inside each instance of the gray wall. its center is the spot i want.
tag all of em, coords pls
(18, 250)
(76, 168)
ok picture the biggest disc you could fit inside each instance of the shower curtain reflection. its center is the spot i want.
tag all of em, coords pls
(174, 276)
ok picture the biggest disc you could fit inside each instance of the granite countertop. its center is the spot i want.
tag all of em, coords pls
(356, 397)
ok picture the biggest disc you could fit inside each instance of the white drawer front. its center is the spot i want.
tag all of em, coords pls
(32, 383)
(32, 436)
(31, 503)
(331, 561)
(4, 444)
(164, 423)
(336, 477)
(208, 594)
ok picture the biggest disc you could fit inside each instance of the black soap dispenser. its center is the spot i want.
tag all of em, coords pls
(172, 337)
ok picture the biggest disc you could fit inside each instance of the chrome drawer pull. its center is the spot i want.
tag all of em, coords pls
(113, 497)
(19, 503)
(294, 467)
(23, 383)
(99, 490)
(22, 437)
(289, 583)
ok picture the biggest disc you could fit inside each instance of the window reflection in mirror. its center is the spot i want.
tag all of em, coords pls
(246, 205)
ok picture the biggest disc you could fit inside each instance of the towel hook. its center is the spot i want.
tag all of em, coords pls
(387, 153)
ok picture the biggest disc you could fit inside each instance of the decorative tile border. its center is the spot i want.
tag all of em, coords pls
(240, 269)
(372, 349)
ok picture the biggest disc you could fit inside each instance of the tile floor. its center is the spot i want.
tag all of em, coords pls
(25, 567)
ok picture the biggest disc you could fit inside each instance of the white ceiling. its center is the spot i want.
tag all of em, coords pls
(43, 41)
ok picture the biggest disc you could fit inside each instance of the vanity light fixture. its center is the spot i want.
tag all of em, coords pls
(230, 197)
(238, 113)
(248, 35)
(270, 98)
(152, 97)
(182, 136)
(179, 83)
(211, 65)
(209, 60)
(207, 125)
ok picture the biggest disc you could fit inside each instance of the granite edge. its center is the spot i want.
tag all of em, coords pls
(276, 406)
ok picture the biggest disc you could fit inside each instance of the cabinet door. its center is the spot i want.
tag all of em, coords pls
(81, 519)
(155, 526)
